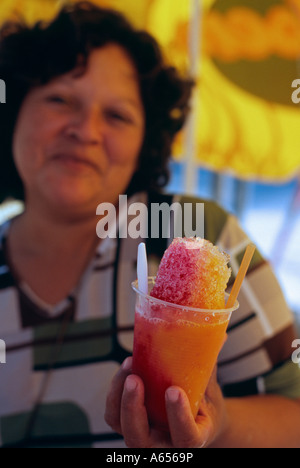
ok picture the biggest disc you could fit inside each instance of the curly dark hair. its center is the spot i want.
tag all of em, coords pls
(32, 56)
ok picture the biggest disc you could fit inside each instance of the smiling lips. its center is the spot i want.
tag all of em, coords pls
(74, 161)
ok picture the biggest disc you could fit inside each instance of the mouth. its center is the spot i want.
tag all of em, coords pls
(74, 161)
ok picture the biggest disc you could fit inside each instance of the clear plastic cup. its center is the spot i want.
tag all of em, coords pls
(175, 345)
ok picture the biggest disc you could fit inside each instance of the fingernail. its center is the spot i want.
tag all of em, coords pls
(126, 366)
(172, 394)
(130, 384)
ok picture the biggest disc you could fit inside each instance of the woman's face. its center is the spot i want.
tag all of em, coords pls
(77, 139)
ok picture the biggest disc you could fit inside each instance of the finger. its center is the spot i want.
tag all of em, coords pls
(114, 396)
(184, 430)
(134, 420)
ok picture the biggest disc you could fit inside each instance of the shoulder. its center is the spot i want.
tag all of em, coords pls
(193, 216)
(214, 216)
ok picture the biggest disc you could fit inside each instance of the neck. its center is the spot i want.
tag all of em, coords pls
(50, 234)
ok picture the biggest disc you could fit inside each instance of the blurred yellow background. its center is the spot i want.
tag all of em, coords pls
(249, 52)
(244, 138)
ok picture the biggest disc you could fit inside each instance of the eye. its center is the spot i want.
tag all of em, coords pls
(118, 116)
(56, 99)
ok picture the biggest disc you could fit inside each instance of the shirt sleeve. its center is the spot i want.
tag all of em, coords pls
(256, 358)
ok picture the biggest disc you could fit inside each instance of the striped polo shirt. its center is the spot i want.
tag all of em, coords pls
(60, 359)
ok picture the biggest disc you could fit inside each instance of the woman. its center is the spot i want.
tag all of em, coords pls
(91, 113)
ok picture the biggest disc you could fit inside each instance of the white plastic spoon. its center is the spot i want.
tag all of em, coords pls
(142, 269)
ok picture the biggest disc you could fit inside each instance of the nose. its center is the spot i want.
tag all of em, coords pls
(86, 127)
